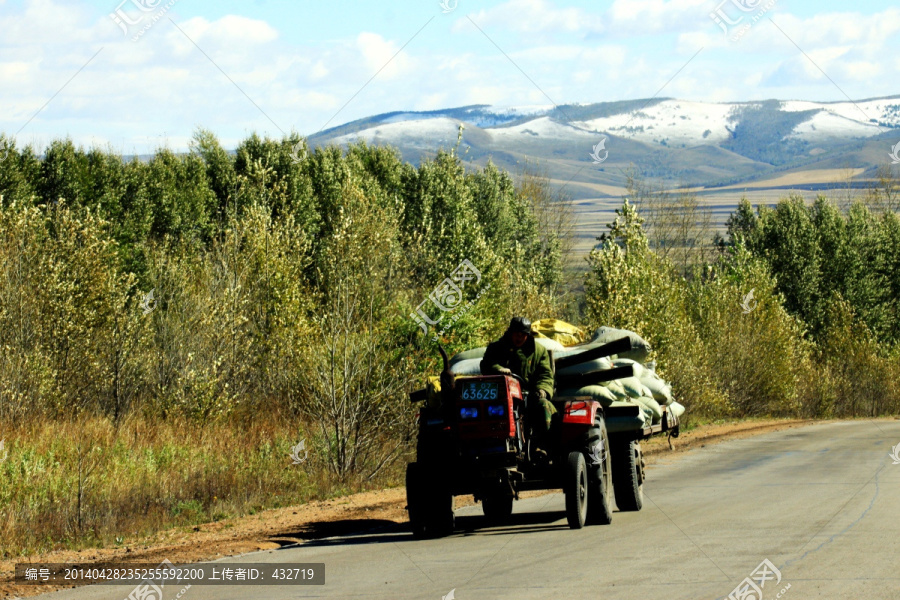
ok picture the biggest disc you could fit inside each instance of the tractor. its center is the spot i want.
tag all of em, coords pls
(474, 438)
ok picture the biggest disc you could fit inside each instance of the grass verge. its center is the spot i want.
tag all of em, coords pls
(90, 484)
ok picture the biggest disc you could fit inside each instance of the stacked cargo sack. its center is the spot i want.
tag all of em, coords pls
(655, 387)
(554, 329)
(644, 388)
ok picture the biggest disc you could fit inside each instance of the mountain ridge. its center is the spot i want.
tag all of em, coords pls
(663, 137)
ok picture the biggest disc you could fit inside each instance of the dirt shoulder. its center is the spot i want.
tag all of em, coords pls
(272, 529)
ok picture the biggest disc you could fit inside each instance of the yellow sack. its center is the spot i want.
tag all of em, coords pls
(564, 333)
(433, 391)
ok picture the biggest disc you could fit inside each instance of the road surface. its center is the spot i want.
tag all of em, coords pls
(821, 503)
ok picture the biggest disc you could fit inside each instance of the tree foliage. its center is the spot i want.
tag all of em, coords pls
(266, 265)
(816, 252)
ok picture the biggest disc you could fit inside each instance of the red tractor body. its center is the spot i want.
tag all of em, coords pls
(477, 442)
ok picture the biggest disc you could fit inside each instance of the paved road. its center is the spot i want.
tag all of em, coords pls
(822, 503)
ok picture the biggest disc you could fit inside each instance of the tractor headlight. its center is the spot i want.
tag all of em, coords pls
(496, 410)
(468, 412)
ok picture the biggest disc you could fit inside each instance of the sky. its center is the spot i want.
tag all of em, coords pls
(133, 76)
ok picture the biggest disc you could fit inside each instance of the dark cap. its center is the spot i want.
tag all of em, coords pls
(519, 325)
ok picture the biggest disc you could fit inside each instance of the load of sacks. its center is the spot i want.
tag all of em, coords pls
(644, 389)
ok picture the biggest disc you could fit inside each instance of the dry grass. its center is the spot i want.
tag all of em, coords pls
(72, 485)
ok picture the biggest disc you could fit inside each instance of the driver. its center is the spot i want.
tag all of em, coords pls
(517, 353)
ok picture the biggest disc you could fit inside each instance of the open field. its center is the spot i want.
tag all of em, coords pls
(801, 178)
(593, 212)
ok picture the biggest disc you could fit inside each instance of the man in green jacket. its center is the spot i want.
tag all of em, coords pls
(517, 353)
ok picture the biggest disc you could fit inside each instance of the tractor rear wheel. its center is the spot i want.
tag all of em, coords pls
(429, 503)
(576, 490)
(628, 474)
(497, 507)
(600, 478)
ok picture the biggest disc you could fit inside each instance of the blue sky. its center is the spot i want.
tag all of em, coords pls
(67, 69)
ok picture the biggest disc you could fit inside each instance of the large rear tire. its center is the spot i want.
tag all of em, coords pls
(600, 481)
(628, 475)
(497, 508)
(429, 503)
(576, 490)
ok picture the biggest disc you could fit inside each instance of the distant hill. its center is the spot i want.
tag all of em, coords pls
(695, 143)
(721, 149)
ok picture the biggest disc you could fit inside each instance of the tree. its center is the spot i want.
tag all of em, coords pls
(789, 243)
(678, 226)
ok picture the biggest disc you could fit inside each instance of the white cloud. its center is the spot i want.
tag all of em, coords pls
(530, 16)
(14, 74)
(304, 100)
(486, 94)
(218, 36)
(432, 102)
(249, 31)
(844, 28)
(381, 55)
(636, 17)
(318, 70)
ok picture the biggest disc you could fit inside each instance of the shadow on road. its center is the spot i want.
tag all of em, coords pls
(377, 531)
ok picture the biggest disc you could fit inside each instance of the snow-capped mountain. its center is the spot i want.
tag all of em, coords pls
(697, 142)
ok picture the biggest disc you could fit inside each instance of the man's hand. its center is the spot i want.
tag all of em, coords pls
(543, 395)
(504, 371)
